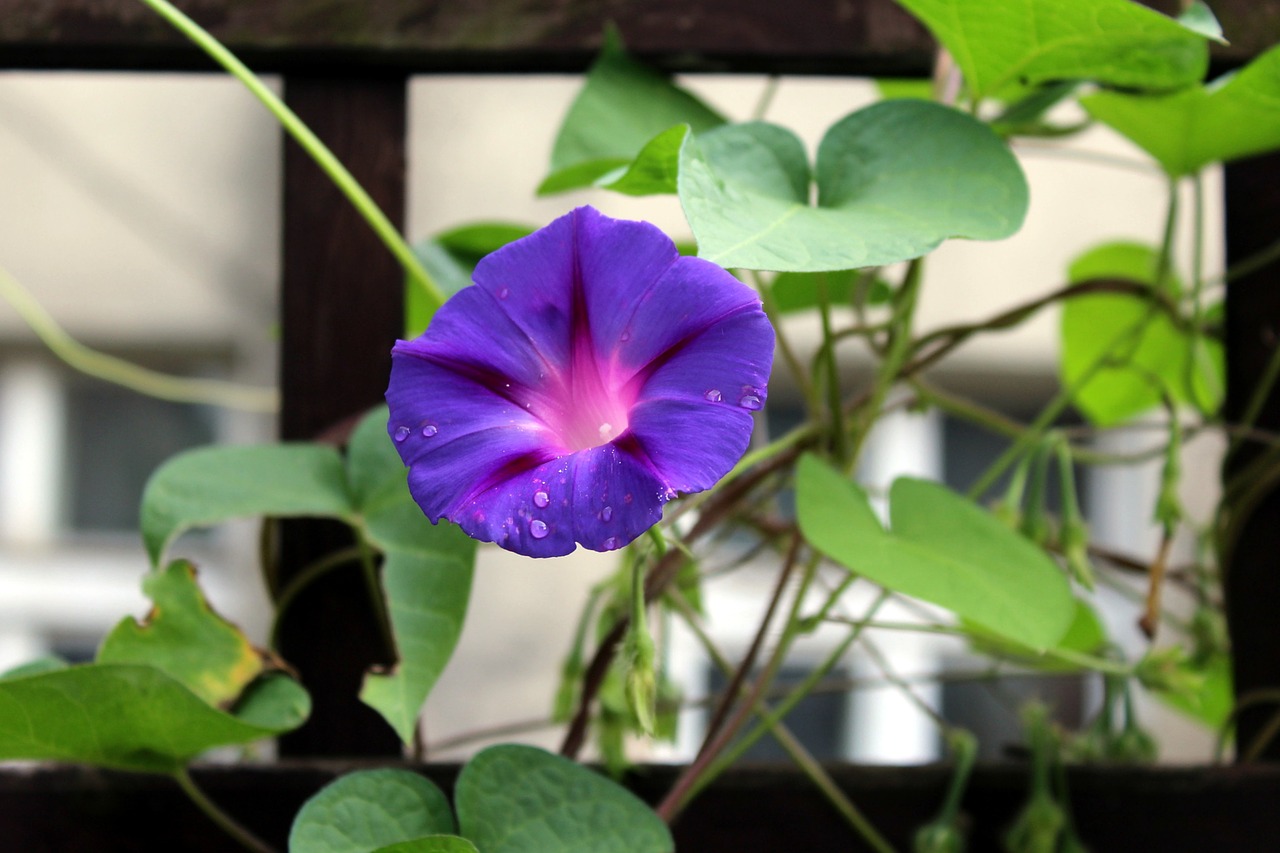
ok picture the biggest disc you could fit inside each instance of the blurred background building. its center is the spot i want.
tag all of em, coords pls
(143, 213)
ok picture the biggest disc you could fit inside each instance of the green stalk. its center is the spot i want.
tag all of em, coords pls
(904, 309)
(1164, 265)
(108, 368)
(827, 357)
(310, 143)
(742, 744)
(373, 585)
(301, 581)
(225, 822)
(795, 750)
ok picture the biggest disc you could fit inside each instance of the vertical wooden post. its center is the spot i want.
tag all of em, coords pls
(1252, 575)
(341, 310)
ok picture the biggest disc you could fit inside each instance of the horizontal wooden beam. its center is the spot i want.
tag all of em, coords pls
(852, 37)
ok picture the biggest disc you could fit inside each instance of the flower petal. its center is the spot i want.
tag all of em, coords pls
(691, 297)
(603, 497)
(454, 432)
(616, 495)
(529, 510)
(472, 336)
(531, 281)
(693, 415)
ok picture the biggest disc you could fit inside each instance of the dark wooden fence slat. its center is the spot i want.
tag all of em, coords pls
(853, 37)
(341, 311)
(1252, 579)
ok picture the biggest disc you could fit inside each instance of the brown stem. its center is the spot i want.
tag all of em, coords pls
(946, 339)
(659, 577)
(1150, 619)
(731, 691)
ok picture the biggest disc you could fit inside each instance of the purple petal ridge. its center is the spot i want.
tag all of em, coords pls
(589, 375)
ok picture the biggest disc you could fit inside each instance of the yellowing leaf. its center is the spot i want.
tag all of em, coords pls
(183, 638)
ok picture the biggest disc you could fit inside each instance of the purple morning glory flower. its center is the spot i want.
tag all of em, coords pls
(589, 375)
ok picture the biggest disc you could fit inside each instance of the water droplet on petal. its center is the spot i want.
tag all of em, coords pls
(626, 499)
(402, 432)
(606, 514)
(503, 293)
(538, 529)
(713, 396)
(751, 402)
(541, 499)
(610, 544)
(429, 430)
(624, 337)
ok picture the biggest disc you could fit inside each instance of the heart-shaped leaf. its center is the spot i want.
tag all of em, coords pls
(1115, 42)
(798, 291)
(1146, 353)
(123, 716)
(185, 639)
(894, 180)
(519, 799)
(369, 810)
(942, 549)
(212, 484)
(655, 170)
(431, 844)
(1085, 636)
(1233, 117)
(621, 107)
(426, 576)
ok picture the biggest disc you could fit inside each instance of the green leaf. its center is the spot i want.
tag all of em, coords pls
(1026, 116)
(798, 291)
(622, 106)
(183, 638)
(375, 473)
(1114, 42)
(943, 549)
(213, 484)
(1212, 701)
(122, 716)
(371, 809)
(1148, 353)
(48, 663)
(1233, 117)
(274, 701)
(1199, 18)
(469, 243)
(1085, 636)
(892, 88)
(894, 180)
(654, 170)
(426, 576)
(431, 844)
(519, 799)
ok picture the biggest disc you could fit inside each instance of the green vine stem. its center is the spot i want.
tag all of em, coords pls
(225, 822)
(740, 746)
(896, 353)
(108, 368)
(309, 575)
(310, 143)
(790, 743)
